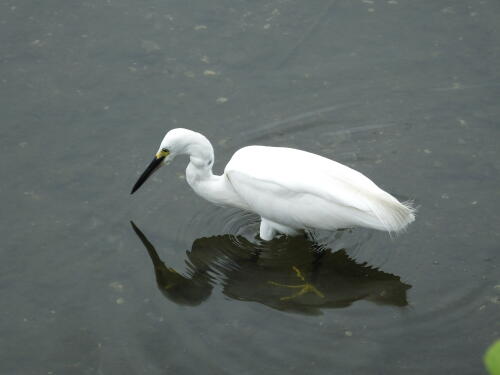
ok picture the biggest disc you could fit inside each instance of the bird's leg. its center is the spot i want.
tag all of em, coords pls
(267, 231)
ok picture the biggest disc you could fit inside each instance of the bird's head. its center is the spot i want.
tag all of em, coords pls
(176, 142)
(169, 147)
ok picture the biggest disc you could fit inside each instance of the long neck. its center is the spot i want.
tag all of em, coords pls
(201, 159)
(199, 176)
(201, 156)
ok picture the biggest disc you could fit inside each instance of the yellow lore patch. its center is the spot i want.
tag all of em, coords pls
(162, 154)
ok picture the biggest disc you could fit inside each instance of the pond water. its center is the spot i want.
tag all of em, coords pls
(407, 93)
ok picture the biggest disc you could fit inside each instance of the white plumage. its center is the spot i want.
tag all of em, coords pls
(289, 189)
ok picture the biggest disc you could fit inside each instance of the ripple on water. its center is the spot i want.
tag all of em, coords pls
(301, 276)
(340, 277)
(295, 274)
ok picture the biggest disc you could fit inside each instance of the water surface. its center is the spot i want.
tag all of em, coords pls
(406, 93)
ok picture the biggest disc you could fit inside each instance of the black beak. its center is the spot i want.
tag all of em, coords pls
(152, 167)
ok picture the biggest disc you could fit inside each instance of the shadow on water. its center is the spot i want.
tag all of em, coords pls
(288, 274)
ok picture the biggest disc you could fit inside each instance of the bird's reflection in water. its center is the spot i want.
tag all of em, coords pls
(289, 274)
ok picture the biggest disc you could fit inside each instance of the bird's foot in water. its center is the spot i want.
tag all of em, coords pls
(303, 288)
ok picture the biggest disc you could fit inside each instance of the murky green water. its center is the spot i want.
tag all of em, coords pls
(408, 93)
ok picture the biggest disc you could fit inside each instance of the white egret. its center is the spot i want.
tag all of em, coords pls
(291, 190)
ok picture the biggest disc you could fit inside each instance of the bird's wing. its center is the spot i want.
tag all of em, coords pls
(311, 189)
(300, 172)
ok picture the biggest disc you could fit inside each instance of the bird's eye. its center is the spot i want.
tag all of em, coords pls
(165, 150)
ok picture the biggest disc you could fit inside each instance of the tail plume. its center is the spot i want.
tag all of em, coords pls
(392, 214)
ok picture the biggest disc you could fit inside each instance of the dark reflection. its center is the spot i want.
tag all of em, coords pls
(289, 274)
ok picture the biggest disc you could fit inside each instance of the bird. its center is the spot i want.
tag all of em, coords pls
(293, 191)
